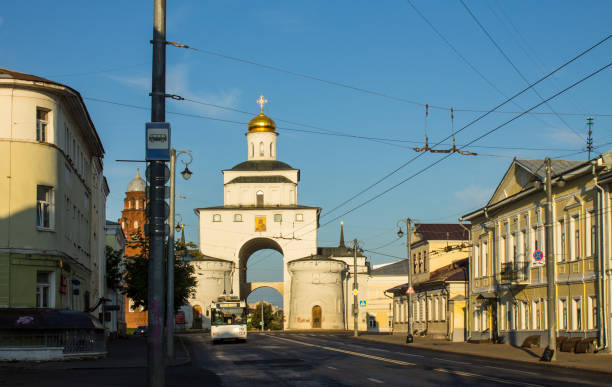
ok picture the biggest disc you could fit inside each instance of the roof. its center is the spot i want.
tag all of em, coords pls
(137, 184)
(12, 74)
(111, 223)
(38, 318)
(537, 167)
(441, 231)
(456, 271)
(315, 258)
(395, 268)
(209, 258)
(262, 165)
(244, 208)
(260, 179)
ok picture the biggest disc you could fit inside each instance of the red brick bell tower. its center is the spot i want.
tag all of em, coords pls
(132, 221)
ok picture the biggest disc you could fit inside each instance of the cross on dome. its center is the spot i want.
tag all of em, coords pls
(261, 101)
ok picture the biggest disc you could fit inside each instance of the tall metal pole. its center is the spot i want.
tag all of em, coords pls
(170, 261)
(409, 338)
(262, 319)
(550, 265)
(155, 353)
(355, 290)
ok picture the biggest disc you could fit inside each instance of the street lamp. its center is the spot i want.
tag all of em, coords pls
(400, 234)
(174, 154)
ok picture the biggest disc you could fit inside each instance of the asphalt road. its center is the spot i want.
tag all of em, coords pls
(319, 359)
(307, 359)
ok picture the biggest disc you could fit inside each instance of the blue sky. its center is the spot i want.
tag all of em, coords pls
(102, 50)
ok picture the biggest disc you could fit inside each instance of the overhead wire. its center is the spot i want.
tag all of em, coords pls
(347, 86)
(516, 69)
(472, 141)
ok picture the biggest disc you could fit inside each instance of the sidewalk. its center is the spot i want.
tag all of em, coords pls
(121, 353)
(586, 361)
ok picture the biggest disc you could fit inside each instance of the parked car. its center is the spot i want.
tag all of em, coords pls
(141, 331)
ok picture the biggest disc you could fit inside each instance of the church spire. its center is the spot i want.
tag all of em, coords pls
(342, 234)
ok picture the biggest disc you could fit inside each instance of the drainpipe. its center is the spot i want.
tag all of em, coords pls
(468, 286)
(602, 342)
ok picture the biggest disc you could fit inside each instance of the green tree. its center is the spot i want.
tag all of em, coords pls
(271, 320)
(114, 269)
(137, 273)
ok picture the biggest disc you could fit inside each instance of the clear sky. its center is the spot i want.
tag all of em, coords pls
(394, 63)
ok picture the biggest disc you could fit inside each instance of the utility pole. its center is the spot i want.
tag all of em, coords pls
(262, 319)
(409, 338)
(155, 353)
(550, 353)
(355, 291)
(400, 233)
(589, 145)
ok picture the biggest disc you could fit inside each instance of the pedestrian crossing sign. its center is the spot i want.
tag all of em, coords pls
(362, 303)
(410, 290)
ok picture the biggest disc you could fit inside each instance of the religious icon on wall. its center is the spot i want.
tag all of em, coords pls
(260, 223)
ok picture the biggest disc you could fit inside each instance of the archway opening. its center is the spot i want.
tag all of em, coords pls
(262, 260)
(265, 304)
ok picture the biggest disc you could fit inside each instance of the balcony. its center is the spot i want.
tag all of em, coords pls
(514, 272)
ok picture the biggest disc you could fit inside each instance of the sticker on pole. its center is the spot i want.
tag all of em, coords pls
(410, 290)
(158, 141)
(538, 258)
(355, 291)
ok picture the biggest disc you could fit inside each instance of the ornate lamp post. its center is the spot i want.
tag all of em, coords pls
(174, 154)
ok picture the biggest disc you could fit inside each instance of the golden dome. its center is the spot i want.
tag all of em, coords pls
(262, 123)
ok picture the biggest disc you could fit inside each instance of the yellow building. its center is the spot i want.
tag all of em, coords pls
(52, 197)
(438, 253)
(508, 301)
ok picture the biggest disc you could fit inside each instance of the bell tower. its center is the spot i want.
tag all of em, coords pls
(261, 137)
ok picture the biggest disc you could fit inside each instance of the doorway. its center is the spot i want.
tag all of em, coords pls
(316, 316)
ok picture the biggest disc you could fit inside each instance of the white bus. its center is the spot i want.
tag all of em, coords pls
(228, 320)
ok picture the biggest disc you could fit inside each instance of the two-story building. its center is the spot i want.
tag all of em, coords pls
(508, 287)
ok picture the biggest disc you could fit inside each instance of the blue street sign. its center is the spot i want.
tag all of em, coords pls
(362, 303)
(157, 140)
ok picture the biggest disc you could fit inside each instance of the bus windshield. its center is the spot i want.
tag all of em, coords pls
(228, 316)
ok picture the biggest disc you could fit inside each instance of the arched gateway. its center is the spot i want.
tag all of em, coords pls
(261, 211)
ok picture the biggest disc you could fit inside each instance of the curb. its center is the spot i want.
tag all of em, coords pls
(537, 363)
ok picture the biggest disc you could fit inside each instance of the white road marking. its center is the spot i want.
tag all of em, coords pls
(332, 368)
(451, 361)
(405, 363)
(512, 370)
(375, 380)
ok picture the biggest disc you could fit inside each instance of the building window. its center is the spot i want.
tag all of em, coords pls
(372, 322)
(588, 239)
(485, 259)
(260, 198)
(216, 217)
(137, 204)
(563, 313)
(576, 314)
(44, 206)
(575, 241)
(299, 217)
(561, 236)
(524, 314)
(261, 148)
(278, 217)
(42, 124)
(237, 218)
(591, 312)
(135, 224)
(252, 150)
(271, 149)
(44, 289)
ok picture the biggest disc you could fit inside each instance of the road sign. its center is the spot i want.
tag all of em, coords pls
(538, 258)
(158, 141)
(261, 323)
(362, 303)
(355, 291)
(410, 290)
